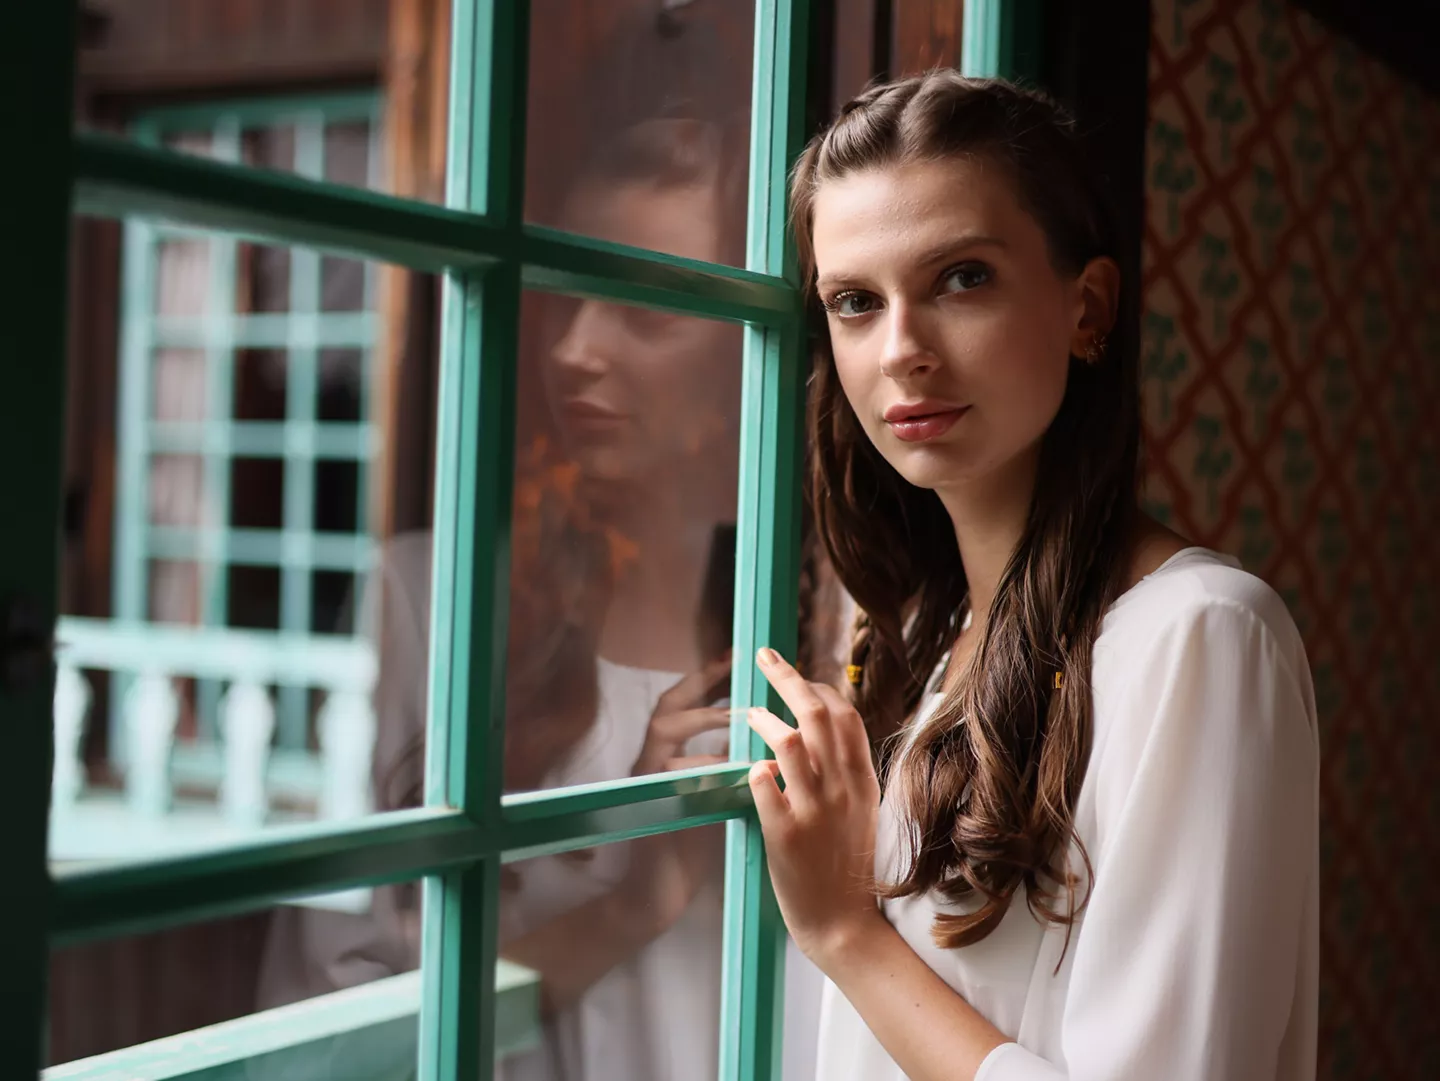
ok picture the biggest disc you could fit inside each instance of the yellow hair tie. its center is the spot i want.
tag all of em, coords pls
(1059, 680)
(852, 673)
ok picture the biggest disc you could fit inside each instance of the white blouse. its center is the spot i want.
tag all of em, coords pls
(1196, 957)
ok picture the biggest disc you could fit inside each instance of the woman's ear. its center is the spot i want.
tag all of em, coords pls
(1097, 303)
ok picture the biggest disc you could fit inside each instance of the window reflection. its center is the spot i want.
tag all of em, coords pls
(622, 595)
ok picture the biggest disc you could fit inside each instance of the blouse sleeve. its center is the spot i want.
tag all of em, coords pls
(1198, 925)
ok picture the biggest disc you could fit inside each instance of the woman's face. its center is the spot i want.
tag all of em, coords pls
(951, 329)
(639, 395)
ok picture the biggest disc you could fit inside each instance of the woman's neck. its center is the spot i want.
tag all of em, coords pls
(989, 518)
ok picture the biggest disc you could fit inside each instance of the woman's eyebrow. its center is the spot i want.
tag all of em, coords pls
(955, 246)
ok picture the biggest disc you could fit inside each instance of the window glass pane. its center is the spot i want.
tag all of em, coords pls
(342, 393)
(262, 278)
(182, 276)
(353, 93)
(234, 466)
(111, 995)
(261, 384)
(179, 384)
(624, 542)
(641, 106)
(625, 941)
(623, 550)
(257, 493)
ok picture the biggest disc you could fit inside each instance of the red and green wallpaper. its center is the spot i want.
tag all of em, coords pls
(1290, 369)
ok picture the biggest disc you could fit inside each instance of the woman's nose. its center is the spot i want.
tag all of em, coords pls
(585, 345)
(905, 351)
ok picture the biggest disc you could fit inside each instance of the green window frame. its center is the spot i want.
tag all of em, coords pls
(478, 241)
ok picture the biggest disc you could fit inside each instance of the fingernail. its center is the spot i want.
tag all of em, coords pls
(768, 656)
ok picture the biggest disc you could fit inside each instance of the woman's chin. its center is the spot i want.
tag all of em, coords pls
(930, 467)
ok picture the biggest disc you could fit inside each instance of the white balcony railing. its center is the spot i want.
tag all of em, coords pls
(177, 795)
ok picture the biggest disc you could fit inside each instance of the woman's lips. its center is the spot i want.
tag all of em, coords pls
(579, 411)
(919, 428)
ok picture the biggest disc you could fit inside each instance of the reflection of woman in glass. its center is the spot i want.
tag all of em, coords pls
(619, 637)
(1096, 853)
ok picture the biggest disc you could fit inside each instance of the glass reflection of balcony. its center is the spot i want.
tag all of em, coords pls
(214, 780)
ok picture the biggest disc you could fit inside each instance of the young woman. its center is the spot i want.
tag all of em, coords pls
(622, 596)
(1095, 856)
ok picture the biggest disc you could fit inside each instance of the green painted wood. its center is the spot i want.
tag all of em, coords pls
(341, 440)
(331, 661)
(116, 178)
(1001, 39)
(265, 547)
(219, 408)
(294, 861)
(475, 472)
(355, 330)
(302, 396)
(608, 812)
(364, 1033)
(36, 73)
(767, 556)
(265, 112)
(286, 862)
(559, 262)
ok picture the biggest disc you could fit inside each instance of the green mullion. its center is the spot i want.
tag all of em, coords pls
(130, 587)
(35, 94)
(301, 409)
(302, 860)
(134, 408)
(474, 466)
(767, 555)
(1001, 39)
(283, 862)
(118, 178)
(339, 330)
(267, 548)
(131, 564)
(582, 266)
(375, 180)
(219, 411)
(334, 439)
(266, 111)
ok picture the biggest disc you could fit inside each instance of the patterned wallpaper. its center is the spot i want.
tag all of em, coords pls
(1290, 371)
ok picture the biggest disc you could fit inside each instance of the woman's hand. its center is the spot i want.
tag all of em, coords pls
(820, 831)
(680, 715)
(667, 870)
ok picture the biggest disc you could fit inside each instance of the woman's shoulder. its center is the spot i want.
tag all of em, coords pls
(1198, 586)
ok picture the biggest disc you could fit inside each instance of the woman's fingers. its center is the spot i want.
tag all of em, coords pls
(683, 727)
(810, 710)
(791, 754)
(699, 687)
(852, 743)
(770, 803)
(670, 733)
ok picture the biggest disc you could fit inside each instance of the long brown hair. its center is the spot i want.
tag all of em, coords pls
(988, 787)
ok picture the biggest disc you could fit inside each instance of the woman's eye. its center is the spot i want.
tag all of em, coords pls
(849, 305)
(964, 277)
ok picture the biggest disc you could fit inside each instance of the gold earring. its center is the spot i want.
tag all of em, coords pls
(1095, 350)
